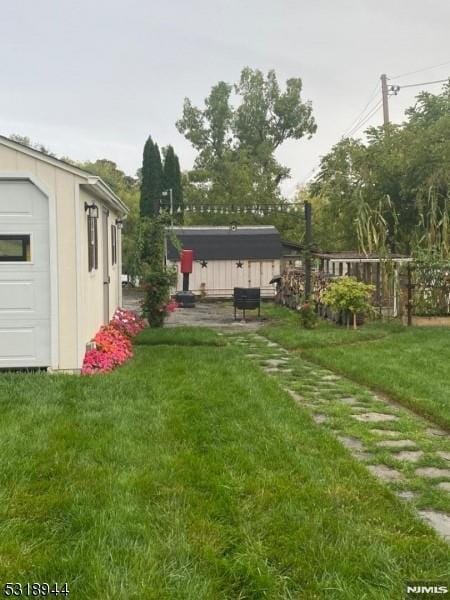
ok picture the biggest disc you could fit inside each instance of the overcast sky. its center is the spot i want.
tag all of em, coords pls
(92, 79)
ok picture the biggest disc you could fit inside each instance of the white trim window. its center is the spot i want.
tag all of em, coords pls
(113, 244)
(92, 243)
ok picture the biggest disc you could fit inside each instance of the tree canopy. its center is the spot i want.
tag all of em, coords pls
(236, 135)
(387, 182)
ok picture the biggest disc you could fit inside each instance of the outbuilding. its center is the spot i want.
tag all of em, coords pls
(228, 257)
(60, 258)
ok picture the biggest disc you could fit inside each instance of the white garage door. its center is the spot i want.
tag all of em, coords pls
(24, 276)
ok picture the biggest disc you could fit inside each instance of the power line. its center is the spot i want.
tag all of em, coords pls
(363, 121)
(420, 70)
(361, 115)
(371, 98)
(423, 83)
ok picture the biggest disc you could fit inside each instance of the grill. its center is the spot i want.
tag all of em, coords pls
(247, 299)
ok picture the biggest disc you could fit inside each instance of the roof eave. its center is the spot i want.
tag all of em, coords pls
(99, 187)
(103, 191)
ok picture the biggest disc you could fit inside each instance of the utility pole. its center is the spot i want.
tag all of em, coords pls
(385, 94)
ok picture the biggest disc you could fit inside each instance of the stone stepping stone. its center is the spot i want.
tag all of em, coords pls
(374, 417)
(272, 345)
(436, 431)
(409, 455)
(385, 473)
(386, 432)
(438, 520)
(272, 370)
(397, 444)
(330, 378)
(319, 418)
(349, 400)
(433, 472)
(444, 455)
(444, 485)
(295, 396)
(351, 443)
(254, 356)
(274, 362)
(362, 456)
(406, 495)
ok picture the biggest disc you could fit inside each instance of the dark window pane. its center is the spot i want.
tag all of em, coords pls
(15, 248)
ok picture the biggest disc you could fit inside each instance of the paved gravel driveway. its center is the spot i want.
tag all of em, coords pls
(205, 314)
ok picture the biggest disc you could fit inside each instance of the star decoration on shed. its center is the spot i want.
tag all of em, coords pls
(204, 264)
(239, 264)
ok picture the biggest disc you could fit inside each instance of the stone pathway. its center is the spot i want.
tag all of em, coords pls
(404, 450)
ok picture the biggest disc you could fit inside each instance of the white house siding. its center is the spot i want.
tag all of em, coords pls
(219, 277)
(91, 283)
(78, 294)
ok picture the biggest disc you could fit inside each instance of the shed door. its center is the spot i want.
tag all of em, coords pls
(24, 276)
(254, 273)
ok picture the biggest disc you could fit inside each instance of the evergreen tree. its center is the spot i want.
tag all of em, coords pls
(172, 181)
(152, 180)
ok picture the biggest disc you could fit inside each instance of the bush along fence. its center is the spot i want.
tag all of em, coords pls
(113, 343)
(426, 286)
(344, 300)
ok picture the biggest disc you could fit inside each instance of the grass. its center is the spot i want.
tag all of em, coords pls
(408, 364)
(284, 329)
(180, 336)
(190, 474)
(336, 401)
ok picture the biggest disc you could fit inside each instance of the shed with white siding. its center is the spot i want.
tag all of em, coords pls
(228, 257)
(60, 258)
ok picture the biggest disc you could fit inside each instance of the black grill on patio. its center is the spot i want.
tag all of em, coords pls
(247, 299)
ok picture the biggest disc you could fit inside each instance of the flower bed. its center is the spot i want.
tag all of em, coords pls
(113, 344)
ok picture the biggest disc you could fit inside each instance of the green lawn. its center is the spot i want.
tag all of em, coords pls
(409, 364)
(190, 474)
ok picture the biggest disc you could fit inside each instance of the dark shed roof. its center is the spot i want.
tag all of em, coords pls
(224, 243)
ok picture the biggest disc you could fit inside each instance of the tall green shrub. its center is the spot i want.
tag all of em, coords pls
(152, 180)
(172, 181)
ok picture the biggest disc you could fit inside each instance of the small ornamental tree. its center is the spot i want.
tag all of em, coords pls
(156, 304)
(349, 295)
(158, 278)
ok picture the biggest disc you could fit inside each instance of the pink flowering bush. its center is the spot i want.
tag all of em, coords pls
(171, 306)
(113, 343)
(127, 322)
(97, 361)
